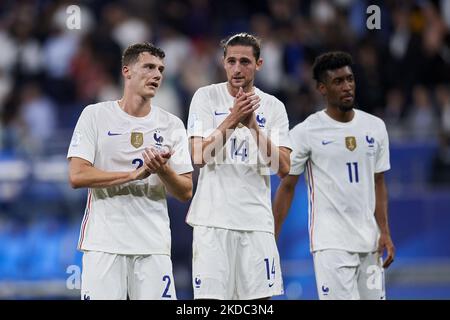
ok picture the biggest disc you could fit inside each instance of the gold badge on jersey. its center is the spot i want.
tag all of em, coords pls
(350, 143)
(137, 139)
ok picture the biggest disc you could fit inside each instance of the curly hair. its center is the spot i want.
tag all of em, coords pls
(330, 61)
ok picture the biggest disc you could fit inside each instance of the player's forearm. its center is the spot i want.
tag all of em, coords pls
(91, 177)
(284, 162)
(180, 186)
(204, 151)
(381, 216)
(381, 205)
(281, 205)
(278, 161)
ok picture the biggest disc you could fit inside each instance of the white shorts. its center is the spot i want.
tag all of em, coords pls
(230, 264)
(107, 276)
(342, 275)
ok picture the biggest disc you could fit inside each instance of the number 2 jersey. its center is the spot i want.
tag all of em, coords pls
(130, 218)
(233, 190)
(340, 160)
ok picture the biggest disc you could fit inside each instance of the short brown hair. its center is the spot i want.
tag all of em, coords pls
(131, 54)
(242, 39)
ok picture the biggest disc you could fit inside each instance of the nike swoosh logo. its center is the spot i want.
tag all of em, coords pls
(271, 285)
(113, 134)
(324, 142)
(220, 113)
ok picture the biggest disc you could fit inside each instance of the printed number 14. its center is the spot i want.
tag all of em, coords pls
(268, 269)
(241, 150)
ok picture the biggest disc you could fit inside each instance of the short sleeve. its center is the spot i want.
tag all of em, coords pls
(382, 160)
(84, 137)
(280, 128)
(300, 148)
(200, 120)
(180, 161)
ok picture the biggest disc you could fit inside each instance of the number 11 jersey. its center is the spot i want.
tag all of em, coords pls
(340, 160)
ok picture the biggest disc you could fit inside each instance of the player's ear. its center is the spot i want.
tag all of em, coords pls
(126, 72)
(259, 63)
(322, 88)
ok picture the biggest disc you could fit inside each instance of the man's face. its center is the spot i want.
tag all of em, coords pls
(240, 65)
(339, 88)
(145, 75)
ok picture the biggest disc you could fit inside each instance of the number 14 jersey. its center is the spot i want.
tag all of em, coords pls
(233, 190)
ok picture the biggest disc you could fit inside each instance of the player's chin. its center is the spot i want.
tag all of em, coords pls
(149, 93)
(236, 83)
(347, 106)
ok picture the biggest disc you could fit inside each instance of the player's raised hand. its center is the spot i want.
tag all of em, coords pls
(250, 120)
(240, 92)
(167, 154)
(154, 160)
(244, 106)
(385, 243)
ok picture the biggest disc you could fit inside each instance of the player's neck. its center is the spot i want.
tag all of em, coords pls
(234, 91)
(135, 106)
(339, 115)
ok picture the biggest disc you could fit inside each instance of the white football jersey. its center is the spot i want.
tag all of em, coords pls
(130, 218)
(341, 160)
(233, 191)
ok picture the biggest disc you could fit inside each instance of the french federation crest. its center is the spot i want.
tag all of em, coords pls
(260, 120)
(350, 143)
(158, 138)
(137, 139)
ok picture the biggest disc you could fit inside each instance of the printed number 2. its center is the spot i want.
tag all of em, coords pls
(138, 161)
(350, 174)
(166, 290)
(268, 269)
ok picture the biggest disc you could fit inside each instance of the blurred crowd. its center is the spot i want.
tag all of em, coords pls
(48, 72)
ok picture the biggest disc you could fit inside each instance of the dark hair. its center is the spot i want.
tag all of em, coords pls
(131, 54)
(330, 61)
(242, 39)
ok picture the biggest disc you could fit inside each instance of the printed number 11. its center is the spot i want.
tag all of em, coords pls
(350, 173)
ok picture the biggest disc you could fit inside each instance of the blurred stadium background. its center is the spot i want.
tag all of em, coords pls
(49, 73)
